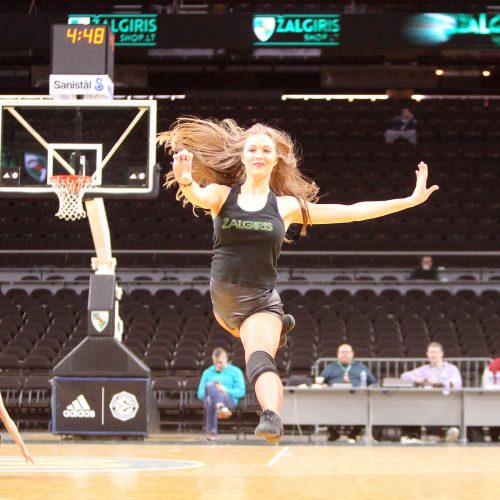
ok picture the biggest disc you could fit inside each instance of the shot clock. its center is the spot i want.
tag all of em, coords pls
(93, 35)
(82, 50)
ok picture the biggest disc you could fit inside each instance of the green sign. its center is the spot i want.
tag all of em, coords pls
(132, 30)
(297, 30)
(436, 29)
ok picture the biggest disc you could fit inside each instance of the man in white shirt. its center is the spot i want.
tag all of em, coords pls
(438, 373)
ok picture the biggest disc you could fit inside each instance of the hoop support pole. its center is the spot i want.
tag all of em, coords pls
(104, 263)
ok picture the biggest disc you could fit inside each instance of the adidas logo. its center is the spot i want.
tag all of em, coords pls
(79, 408)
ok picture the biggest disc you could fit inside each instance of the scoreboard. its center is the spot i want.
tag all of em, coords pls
(82, 58)
(82, 50)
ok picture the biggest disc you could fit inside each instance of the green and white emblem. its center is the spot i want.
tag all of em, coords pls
(100, 320)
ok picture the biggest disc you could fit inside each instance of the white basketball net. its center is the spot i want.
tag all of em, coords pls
(70, 190)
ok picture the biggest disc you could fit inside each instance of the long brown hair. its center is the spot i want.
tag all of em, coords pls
(217, 146)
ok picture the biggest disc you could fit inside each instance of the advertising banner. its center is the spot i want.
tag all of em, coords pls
(100, 406)
(134, 32)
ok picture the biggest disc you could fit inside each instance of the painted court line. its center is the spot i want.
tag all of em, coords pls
(71, 465)
(277, 456)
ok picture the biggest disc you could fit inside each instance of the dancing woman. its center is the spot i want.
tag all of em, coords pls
(249, 181)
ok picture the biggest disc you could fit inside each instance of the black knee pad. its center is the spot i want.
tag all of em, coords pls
(258, 363)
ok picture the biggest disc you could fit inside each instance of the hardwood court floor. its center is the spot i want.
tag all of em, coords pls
(81, 471)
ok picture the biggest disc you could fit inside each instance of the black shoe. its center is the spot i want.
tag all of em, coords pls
(288, 325)
(270, 427)
(276, 439)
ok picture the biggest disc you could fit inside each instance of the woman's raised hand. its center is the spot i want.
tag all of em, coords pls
(182, 166)
(422, 192)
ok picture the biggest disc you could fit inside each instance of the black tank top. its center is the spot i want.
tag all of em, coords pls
(247, 244)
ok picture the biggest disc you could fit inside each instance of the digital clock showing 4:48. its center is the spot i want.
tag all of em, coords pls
(92, 35)
(82, 49)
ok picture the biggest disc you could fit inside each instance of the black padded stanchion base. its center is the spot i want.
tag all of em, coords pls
(101, 357)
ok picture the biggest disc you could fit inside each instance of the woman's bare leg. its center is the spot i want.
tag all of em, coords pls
(261, 332)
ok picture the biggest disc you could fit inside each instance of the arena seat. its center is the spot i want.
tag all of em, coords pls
(11, 388)
(192, 407)
(184, 366)
(9, 363)
(37, 364)
(36, 402)
(167, 394)
(157, 364)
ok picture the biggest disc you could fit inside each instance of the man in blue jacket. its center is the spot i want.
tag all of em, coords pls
(221, 386)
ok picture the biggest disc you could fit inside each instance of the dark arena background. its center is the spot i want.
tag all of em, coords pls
(106, 322)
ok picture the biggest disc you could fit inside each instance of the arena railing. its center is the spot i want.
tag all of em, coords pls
(300, 278)
(471, 369)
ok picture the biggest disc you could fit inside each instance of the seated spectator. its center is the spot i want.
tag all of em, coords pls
(346, 370)
(438, 373)
(426, 270)
(221, 386)
(403, 127)
(491, 380)
(491, 375)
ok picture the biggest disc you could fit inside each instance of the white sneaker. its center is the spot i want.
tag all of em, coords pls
(345, 439)
(410, 440)
(223, 412)
(452, 435)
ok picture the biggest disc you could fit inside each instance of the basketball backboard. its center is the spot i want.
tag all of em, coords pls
(113, 141)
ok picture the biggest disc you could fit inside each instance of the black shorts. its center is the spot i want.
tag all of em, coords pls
(235, 303)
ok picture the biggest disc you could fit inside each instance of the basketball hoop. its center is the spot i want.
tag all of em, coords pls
(70, 190)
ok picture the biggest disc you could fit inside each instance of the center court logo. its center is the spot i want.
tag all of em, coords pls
(79, 408)
(264, 27)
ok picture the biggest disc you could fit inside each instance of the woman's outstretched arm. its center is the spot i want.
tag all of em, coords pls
(334, 213)
(209, 197)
